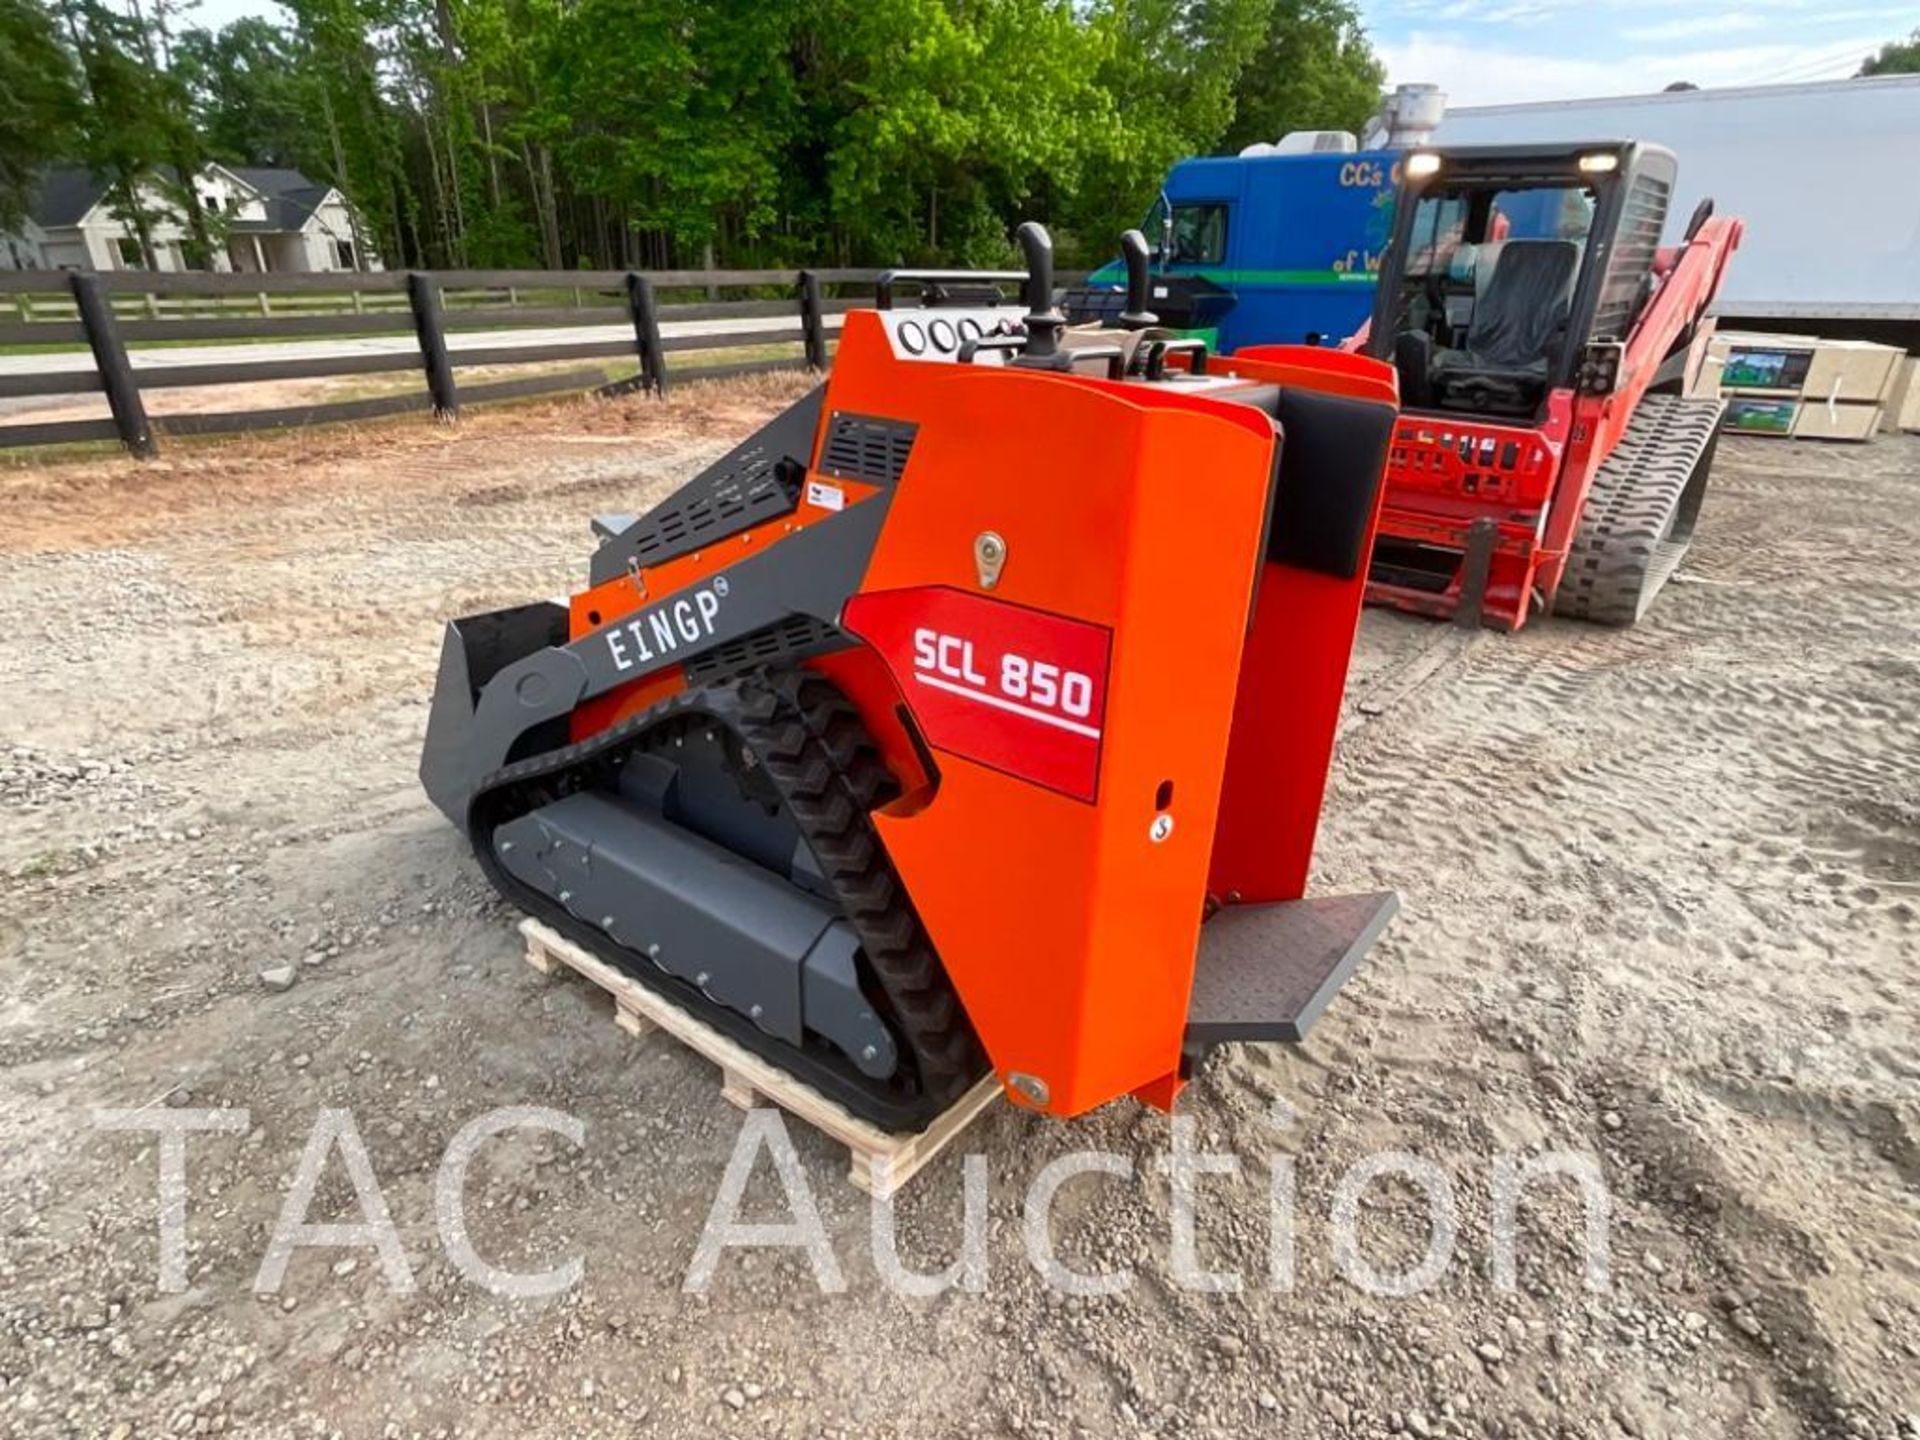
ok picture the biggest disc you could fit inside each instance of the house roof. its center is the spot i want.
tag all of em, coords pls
(65, 196)
(291, 197)
(68, 192)
(271, 179)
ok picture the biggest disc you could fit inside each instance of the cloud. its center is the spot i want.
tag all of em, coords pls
(1725, 23)
(1387, 14)
(1496, 12)
(1478, 74)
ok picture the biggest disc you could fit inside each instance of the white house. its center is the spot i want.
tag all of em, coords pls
(298, 225)
(273, 220)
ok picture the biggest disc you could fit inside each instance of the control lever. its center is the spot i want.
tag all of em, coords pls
(971, 348)
(1159, 350)
(1043, 322)
(1113, 355)
(1133, 245)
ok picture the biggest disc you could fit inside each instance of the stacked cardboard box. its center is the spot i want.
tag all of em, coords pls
(1903, 411)
(1801, 386)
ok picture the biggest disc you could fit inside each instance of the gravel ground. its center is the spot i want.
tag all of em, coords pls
(1660, 911)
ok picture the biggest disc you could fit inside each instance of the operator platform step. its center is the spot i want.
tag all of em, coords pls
(882, 1161)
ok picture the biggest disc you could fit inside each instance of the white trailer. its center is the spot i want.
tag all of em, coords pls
(1826, 176)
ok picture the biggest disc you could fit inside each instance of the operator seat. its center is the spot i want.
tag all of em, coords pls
(1517, 323)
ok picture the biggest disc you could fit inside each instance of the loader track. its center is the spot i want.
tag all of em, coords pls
(802, 746)
(1640, 511)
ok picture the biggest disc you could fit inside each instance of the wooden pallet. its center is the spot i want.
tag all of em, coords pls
(883, 1160)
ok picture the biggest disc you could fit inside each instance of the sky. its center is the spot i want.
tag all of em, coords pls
(1491, 52)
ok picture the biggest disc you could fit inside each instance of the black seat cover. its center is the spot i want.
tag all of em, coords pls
(1526, 303)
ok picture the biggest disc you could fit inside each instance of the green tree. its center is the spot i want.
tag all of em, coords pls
(253, 94)
(40, 106)
(1314, 70)
(677, 133)
(1171, 70)
(1897, 57)
(125, 133)
(954, 119)
(176, 134)
(671, 121)
(345, 43)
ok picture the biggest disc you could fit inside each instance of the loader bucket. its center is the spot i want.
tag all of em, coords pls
(472, 651)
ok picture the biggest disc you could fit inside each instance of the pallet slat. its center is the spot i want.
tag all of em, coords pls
(882, 1161)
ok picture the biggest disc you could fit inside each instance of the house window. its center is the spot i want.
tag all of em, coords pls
(343, 254)
(129, 247)
(212, 202)
(1199, 234)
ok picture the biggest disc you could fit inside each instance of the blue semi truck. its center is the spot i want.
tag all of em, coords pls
(1262, 249)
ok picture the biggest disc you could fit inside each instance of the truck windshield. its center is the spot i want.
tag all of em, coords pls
(1199, 233)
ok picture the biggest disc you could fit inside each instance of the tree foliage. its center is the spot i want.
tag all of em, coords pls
(39, 103)
(1897, 57)
(252, 95)
(1314, 71)
(675, 132)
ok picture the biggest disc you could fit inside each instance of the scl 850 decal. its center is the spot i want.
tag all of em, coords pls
(1021, 690)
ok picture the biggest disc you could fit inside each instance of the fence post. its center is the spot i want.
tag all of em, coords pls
(110, 359)
(424, 296)
(810, 325)
(646, 333)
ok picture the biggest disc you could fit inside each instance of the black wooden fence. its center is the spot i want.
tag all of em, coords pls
(105, 311)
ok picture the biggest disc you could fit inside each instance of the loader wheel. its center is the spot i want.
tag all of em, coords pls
(1641, 511)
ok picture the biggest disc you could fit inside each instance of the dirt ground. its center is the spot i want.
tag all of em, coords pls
(1660, 891)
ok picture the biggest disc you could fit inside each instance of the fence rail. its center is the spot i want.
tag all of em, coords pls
(106, 310)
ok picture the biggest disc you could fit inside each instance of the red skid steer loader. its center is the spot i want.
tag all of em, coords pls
(972, 715)
(1549, 456)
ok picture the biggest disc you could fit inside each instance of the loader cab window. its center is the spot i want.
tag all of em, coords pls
(1199, 234)
(1485, 295)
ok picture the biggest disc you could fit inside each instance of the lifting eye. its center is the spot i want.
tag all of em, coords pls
(593, 617)
(1163, 797)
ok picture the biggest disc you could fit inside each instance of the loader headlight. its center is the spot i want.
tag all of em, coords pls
(1421, 164)
(1599, 164)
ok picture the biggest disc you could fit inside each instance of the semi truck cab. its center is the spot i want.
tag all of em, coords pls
(1261, 248)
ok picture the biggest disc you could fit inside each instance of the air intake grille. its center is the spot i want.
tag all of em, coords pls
(867, 447)
(717, 504)
(755, 482)
(1643, 215)
(791, 639)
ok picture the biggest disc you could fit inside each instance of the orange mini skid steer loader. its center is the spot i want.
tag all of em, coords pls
(919, 735)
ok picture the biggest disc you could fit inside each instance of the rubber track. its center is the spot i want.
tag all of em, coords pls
(1624, 549)
(809, 741)
(871, 891)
